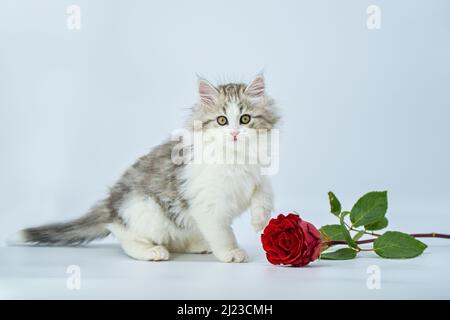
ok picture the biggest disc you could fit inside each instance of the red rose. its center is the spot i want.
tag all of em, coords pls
(289, 240)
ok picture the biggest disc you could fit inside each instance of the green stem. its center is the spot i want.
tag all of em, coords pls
(415, 235)
(361, 249)
(370, 233)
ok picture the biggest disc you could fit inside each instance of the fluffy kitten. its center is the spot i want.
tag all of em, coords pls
(160, 205)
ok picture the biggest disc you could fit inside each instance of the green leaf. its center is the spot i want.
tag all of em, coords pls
(358, 235)
(332, 232)
(370, 208)
(341, 254)
(335, 205)
(398, 245)
(346, 233)
(378, 225)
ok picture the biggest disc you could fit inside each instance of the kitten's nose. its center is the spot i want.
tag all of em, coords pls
(234, 134)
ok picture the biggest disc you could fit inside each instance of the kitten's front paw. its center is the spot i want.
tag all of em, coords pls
(235, 255)
(260, 218)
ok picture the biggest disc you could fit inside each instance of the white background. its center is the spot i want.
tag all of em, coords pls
(362, 109)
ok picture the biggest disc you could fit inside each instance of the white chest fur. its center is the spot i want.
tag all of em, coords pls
(227, 188)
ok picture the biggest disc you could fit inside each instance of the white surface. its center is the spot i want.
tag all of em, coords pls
(106, 273)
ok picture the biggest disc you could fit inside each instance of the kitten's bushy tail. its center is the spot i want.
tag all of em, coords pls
(76, 232)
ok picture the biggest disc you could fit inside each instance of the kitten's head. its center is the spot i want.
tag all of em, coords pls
(234, 109)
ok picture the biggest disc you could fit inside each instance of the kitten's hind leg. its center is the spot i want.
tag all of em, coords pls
(139, 249)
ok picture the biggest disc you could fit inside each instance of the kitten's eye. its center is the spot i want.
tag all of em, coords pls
(245, 119)
(222, 120)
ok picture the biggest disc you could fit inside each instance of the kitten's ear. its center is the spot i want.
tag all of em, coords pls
(208, 93)
(256, 88)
